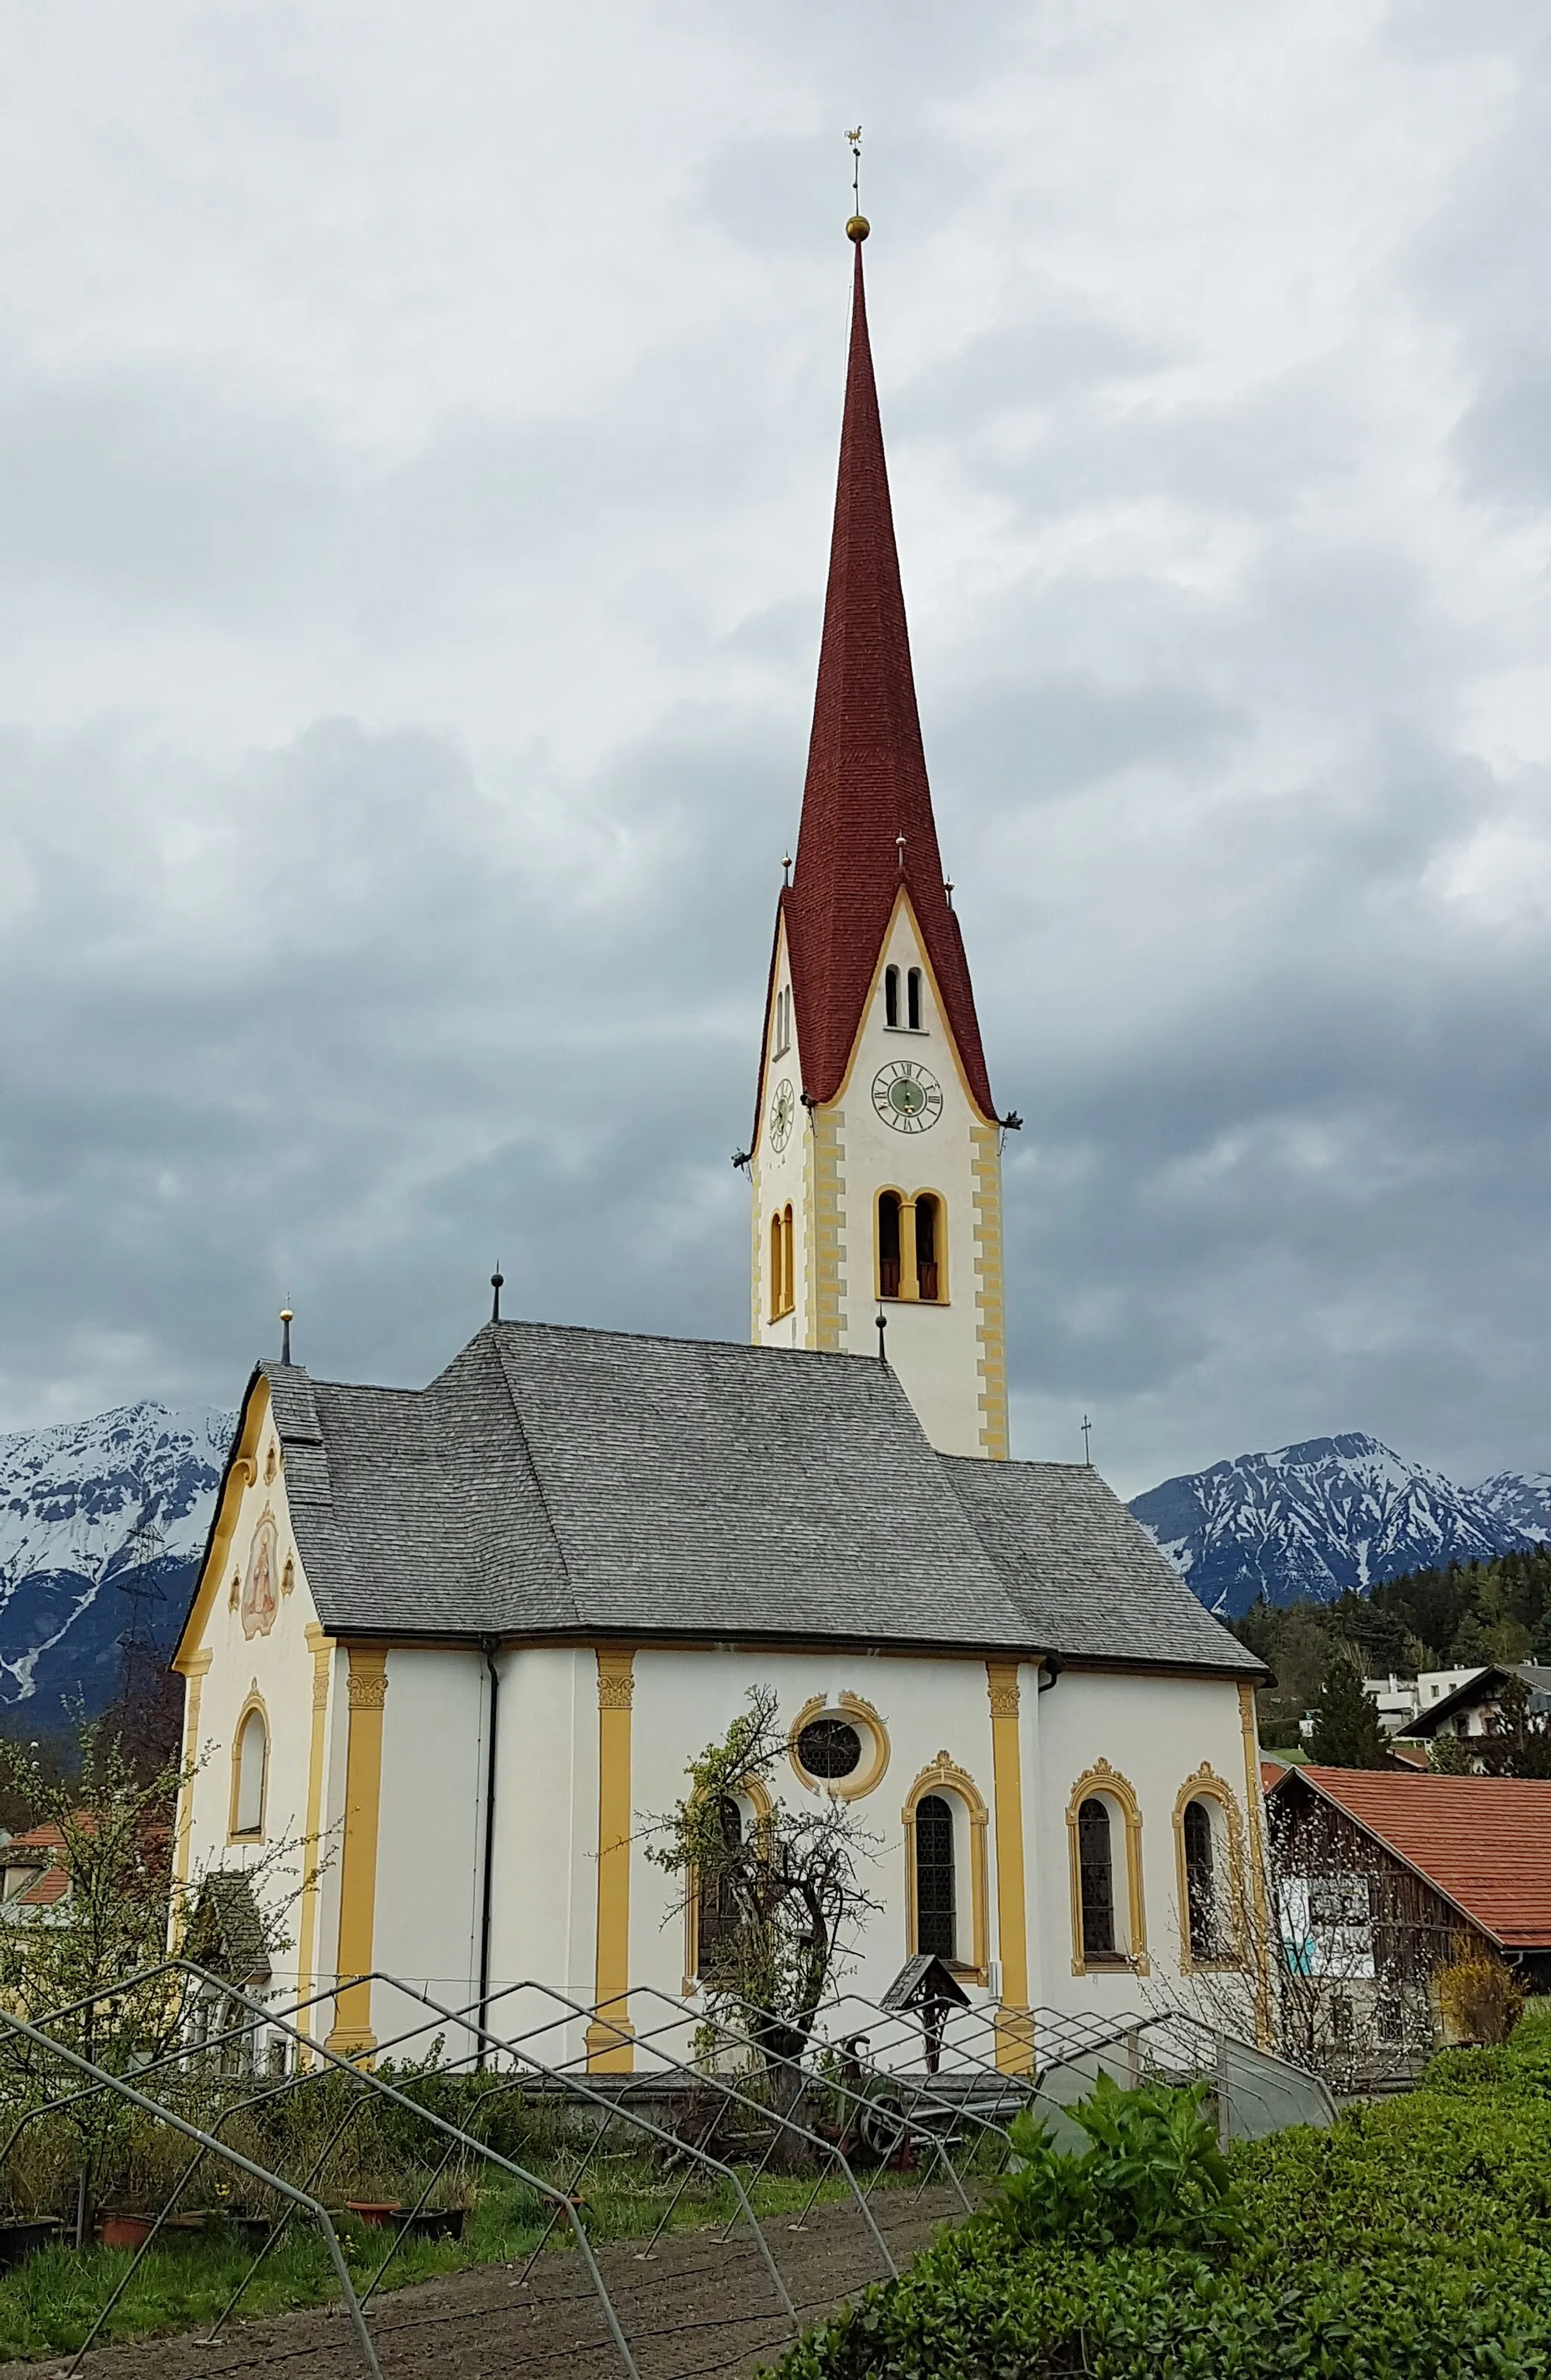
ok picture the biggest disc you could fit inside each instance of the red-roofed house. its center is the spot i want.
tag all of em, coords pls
(1381, 1875)
(31, 1875)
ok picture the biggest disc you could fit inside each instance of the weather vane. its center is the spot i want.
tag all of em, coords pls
(855, 140)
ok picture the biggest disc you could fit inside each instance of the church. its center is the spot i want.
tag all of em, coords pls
(450, 1648)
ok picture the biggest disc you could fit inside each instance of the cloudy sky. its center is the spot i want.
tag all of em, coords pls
(417, 443)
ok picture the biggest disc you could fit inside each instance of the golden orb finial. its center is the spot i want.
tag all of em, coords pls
(858, 228)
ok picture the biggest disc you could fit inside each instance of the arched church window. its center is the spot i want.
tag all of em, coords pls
(1201, 1880)
(913, 1000)
(788, 1265)
(935, 1926)
(891, 995)
(1095, 1869)
(252, 1762)
(716, 1905)
(887, 1244)
(830, 1747)
(929, 1221)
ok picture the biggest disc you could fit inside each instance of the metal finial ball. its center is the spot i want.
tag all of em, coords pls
(858, 228)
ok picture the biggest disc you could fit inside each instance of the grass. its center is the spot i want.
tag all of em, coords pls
(49, 2302)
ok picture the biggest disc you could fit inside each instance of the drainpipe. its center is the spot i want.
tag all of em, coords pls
(1049, 1670)
(488, 1647)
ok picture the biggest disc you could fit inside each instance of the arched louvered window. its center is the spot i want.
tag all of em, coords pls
(1201, 1880)
(929, 1221)
(887, 1244)
(717, 1907)
(1095, 1869)
(891, 995)
(788, 1265)
(913, 1000)
(252, 1760)
(934, 1919)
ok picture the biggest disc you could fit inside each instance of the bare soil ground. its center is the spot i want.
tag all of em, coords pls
(695, 2310)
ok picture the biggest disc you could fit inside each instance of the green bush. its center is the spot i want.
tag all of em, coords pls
(1152, 2175)
(1411, 2241)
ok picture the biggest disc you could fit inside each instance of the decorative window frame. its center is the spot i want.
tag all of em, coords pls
(1205, 1785)
(867, 1775)
(1107, 1784)
(757, 1793)
(943, 1776)
(254, 1702)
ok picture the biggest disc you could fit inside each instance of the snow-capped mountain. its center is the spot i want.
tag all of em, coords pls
(88, 1511)
(1328, 1515)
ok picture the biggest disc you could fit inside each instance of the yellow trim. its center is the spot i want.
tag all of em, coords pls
(826, 1206)
(1014, 2025)
(365, 1692)
(1264, 2032)
(611, 2036)
(323, 1670)
(255, 1702)
(242, 1473)
(764, 1811)
(990, 1303)
(942, 1776)
(1102, 1782)
(1205, 1785)
(196, 1669)
(868, 1723)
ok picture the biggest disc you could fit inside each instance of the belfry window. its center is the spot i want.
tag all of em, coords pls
(891, 995)
(888, 1243)
(928, 1215)
(780, 1039)
(784, 1294)
(913, 1000)
(1096, 1868)
(934, 1878)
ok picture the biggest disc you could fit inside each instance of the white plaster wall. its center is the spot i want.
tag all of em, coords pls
(1155, 1731)
(684, 1700)
(279, 1668)
(544, 1907)
(934, 1349)
(430, 1826)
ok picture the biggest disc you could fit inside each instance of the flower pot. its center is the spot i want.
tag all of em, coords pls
(124, 2230)
(380, 2211)
(21, 2235)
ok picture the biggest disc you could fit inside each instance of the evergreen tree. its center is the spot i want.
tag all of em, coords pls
(1468, 1649)
(1347, 1733)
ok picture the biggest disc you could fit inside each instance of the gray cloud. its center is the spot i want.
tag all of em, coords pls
(413, 479)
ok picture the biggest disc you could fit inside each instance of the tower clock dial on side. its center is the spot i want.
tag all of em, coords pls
(907, 1096)
(783, 1108)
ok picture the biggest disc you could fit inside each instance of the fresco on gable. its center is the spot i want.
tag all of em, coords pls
(259, 1599)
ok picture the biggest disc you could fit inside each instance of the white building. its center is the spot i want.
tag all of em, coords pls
(466, 1639)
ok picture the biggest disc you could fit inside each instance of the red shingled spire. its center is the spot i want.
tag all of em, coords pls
(867, 776)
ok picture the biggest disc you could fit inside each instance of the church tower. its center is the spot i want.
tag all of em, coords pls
(876, 1159)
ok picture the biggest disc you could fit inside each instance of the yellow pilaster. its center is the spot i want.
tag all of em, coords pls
(313, 1848)
(1014, 2025)
(826, 1213)
(196, 1667)
(611, 2036)
(1260, 1909)
(365, 1692)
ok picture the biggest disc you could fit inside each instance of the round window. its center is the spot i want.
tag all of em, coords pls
(830, 1747)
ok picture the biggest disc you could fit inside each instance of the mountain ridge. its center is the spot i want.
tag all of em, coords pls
(1324, 1515)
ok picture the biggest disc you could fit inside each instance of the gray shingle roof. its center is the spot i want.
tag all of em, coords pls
(556, 1481)
(1087, 1577)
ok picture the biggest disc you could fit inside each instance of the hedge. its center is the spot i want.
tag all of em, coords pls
(1410, 2241)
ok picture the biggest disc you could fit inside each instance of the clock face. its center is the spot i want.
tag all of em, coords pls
(907, 1096)
(783, 1108)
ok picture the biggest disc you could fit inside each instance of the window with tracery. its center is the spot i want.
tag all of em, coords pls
(936, 1930)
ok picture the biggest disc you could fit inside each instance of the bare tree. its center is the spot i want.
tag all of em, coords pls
(777, 1891)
